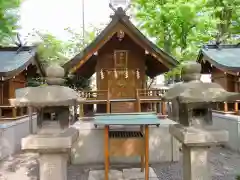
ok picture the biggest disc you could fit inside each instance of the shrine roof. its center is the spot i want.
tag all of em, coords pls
(120, 19)
(14, 60)
(225, 57)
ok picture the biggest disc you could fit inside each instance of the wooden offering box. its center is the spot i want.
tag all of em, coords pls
(131, 143)
(127, 143)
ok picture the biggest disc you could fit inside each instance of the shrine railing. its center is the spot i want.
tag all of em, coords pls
(153, 97)
(150, 93)
(95, 95)
(227, 107)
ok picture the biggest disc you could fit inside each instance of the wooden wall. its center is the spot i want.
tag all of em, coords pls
(136, 60)
(8, 87)
(227, 81)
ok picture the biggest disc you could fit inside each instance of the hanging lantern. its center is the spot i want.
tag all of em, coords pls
(126, 73)
(115, 73)
(101, 74)
(138, 74)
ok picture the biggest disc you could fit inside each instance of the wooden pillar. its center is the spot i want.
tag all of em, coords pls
(108, 109)
(106, 151)
(143, 153)
(146, 152)
(163, 108)
(236, 107)
(14, 112)
(225, 107)
(30, 113)
(81, 112)
(138, 105)
(21, 111)
(0, 112)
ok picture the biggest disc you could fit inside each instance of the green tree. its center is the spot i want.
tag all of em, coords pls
(8, 20)
(181, 27)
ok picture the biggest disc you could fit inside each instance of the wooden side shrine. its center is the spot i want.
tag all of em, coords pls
(223, 63)
(17, 64)
(122, 58)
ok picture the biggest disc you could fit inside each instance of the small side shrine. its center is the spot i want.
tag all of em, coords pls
(17, 64)
(122, 57)
(223, 63)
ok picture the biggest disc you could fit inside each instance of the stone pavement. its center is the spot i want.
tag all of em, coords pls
(225, 165)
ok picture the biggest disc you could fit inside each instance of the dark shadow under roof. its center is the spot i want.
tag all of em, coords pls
(226, 57)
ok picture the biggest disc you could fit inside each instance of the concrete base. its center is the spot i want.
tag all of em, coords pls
(54, 152)
(231, 123)
(125, 174)
(89, 147)
(53, 166)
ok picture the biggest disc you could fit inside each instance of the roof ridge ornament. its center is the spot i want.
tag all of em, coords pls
(119, 11)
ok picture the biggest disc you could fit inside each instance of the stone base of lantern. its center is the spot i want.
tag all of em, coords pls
(196, 143)
(53, 166)
(54, 152)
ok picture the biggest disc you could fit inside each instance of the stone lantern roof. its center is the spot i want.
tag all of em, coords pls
(53, 94)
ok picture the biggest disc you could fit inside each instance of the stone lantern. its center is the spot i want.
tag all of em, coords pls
(53, 97)
(193, 100)
(53, 144)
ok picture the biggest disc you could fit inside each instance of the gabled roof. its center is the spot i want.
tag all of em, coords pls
(224, 57)
(120, 20)
(14, 60)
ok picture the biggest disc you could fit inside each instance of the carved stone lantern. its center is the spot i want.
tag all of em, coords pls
(192, 100)
(54, 144)
(53, 98)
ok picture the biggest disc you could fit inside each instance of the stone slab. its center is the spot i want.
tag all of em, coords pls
(100, 175)
(50, 142)
(136, 174)
(191, 136)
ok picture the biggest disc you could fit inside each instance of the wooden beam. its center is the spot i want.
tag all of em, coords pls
(144, 45)
(146, 152)
(106, 151)
(93, 50)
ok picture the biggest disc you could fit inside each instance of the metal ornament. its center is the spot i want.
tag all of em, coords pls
(126, 73)
(115, 73)
(102, 74)
(138, 74)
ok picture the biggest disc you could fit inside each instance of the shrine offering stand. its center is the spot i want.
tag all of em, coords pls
(119, 142)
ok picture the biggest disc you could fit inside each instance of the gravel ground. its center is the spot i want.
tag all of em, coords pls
(225, 165)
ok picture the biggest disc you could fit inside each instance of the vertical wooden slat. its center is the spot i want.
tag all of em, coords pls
(106, 151)
(146, 152)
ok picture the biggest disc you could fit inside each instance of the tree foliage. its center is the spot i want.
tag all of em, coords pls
(52, 50)
(181, 27)
(8, 19)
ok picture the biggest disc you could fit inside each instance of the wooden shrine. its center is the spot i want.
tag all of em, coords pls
(122, 58)
(17, 64)
(223, 63)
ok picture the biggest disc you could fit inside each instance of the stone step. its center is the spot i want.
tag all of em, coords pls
(125, 174)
